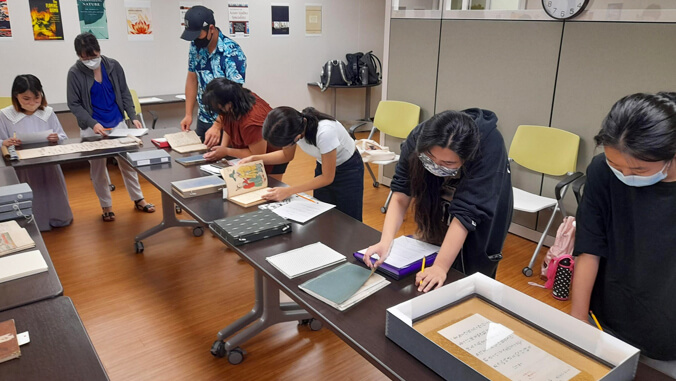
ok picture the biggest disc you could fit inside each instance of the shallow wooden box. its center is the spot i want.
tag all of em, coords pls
(557, 333)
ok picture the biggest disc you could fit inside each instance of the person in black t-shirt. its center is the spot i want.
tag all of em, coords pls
(626, 229)
(454, 168)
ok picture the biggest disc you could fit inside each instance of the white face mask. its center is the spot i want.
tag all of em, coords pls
(93, 63)
(640, 181)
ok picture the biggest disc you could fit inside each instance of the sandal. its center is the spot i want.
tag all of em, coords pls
(108, 216)
(148, 208)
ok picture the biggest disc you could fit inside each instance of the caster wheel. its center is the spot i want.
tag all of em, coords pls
(383, 210)
(112, 187)
(236, 356)
(197, 231)
(218, 349)
(376, 184)
(139, 247)
(527, 271)
(315, 324)
(178, 209)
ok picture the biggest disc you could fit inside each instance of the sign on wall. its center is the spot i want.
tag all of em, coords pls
(280, 19)
(238, 18)
(92, 14)
(139, 22)
(46, 19)
(5, 27)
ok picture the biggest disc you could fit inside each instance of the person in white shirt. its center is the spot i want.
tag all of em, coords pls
(339, 174)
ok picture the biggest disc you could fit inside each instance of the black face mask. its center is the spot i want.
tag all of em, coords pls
(202, 42)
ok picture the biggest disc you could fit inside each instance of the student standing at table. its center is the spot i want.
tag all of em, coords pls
(626, 229)
(29, 113)
(339, 173)
(98, 96)
(211, 55)
(454, 169)
(241, 114)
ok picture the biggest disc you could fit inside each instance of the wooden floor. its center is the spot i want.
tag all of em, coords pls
(154, 316)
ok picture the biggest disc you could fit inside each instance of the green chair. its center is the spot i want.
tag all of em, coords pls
(5, 101)
(549, 151)
(396, 119)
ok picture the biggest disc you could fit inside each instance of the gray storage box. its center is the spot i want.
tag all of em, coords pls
(15, 214)
(150, 157)
(620, 356)
(15, 193)
(16, 206)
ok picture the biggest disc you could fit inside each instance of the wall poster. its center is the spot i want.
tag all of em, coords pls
(46, 19)
(139, 22)
(5, 27)
(280, 19)
(238, 19)
(92, 14)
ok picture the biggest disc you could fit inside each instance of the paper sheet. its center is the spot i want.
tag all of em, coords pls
(498, 347)
(149, 100)
(122, 132)
(305, 259)
(301, 210)
(406, 250)
(180, 96)
(33, 137)
(251, 197)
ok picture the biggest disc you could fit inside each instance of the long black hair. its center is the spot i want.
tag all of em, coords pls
(27, 82)
(642, 125)
(449, 129)
(221, 91)
(283, 124)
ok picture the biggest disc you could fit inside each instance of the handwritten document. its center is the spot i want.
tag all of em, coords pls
(301, 210)
(498, 347)
(406, 250)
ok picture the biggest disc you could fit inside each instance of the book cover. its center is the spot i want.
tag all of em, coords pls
(9, 345)
(198, 186)
(246, 183)
(184, 142)
(191, 160)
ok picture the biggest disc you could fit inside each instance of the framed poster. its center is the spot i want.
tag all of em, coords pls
(280, 19)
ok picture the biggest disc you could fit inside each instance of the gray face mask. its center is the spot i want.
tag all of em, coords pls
(436, 169)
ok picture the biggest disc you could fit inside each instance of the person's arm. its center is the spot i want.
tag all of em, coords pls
(434, 276)
(281, 156)
(75, 102)
(190, 99)
(586, 269)
(393, 219)
(127, 100)
(213, 135)
(326, 178)
(58, 132)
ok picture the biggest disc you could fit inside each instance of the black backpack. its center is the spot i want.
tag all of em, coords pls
(353, 65)
(334, 72)
(374, 66)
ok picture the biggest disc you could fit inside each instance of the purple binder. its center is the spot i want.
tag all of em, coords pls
(399, 273)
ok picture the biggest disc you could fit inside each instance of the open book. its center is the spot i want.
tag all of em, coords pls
(184, 142)
(246, 183)
(14, 238)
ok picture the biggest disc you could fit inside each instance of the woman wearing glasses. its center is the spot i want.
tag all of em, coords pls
(454, 169)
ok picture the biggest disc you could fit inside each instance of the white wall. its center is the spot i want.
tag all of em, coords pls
(278, 67)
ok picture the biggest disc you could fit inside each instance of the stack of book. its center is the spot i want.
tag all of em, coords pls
(405, 258)
(14, 238)
(344, 286)
(305, 259)
(198, 186)
(15, 201)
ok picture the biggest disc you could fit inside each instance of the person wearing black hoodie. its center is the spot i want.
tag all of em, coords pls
(455, 170)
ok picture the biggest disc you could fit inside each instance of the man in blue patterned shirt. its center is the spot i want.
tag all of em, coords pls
(212, 55)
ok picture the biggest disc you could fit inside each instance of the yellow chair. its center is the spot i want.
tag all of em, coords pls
(5, 101)
(139, 110)
(396, 119)
(549, 151)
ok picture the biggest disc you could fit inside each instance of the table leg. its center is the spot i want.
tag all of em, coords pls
(169, 220)
(367, 105)
(267, 311)
(335, 96)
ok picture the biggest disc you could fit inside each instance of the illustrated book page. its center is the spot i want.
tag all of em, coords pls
(246, 183)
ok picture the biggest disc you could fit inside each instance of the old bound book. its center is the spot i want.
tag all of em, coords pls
(9, 345)
(246, 183)
(184, 142)
(198, 186)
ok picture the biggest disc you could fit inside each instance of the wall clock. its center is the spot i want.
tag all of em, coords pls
(564, 9)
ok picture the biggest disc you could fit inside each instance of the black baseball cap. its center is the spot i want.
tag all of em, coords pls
(196, 18)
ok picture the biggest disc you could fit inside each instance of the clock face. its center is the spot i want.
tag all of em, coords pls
(564, 9)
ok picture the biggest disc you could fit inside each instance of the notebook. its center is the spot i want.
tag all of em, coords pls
(191, 160)
(9, 345)
(344, 286)
(19, 265)
(184, 142)
(405, 257)
(246, 183)
(306, 259)
(198, 186)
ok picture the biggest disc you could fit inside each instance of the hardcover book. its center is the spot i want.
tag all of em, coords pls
(9, 345)
(246, 183)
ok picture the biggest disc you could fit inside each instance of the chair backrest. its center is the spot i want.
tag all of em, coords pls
(137, 107)
(5, 101)
(395, 118)
(545, 149)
